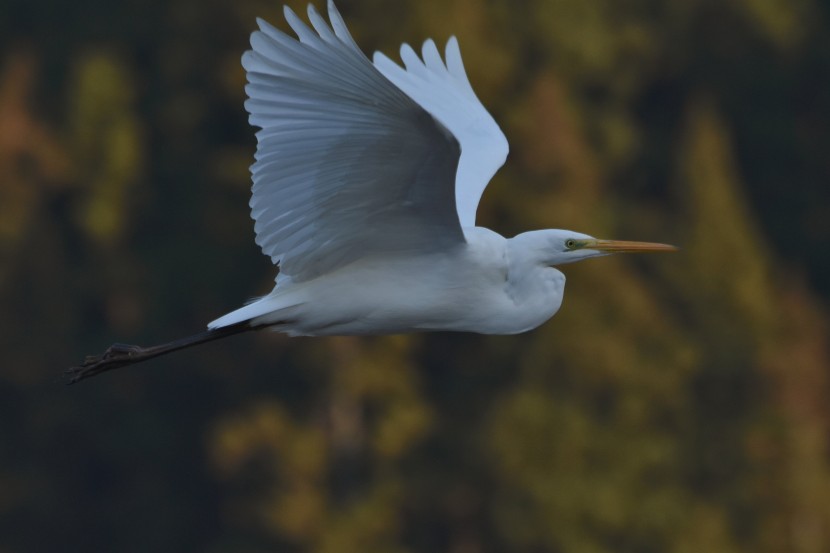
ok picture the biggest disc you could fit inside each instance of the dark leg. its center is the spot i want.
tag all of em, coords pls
(121, 355)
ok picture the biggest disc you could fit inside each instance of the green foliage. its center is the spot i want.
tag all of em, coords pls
(675, 404)
(105, 143)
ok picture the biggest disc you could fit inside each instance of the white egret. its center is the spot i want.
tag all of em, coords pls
(366, 183)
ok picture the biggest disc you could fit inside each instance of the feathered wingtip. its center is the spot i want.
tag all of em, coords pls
(339, 26)
(329, 32)
(336, 31)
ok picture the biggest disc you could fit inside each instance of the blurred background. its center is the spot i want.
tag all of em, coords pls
(676, 403)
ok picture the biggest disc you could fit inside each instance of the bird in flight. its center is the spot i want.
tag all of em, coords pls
(366, 181)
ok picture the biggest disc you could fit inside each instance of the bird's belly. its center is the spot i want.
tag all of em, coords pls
(413, 298)
(384, 308)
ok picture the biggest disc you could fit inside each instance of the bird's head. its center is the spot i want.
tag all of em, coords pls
(557, 246)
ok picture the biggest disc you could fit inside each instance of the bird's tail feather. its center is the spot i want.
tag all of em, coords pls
(267, 310)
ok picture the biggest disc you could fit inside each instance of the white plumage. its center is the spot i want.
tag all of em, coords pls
(366, 184)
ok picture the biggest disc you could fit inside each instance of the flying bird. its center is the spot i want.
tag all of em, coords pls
(366, 181)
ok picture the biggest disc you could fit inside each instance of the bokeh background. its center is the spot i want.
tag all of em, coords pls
(675, 404)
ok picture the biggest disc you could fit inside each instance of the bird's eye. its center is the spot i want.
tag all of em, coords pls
(570, 243)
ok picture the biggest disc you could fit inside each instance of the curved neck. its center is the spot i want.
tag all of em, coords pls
(529, 274)
(531, 248)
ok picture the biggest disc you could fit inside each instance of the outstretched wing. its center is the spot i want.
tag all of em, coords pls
(445, 92)
(347, 165)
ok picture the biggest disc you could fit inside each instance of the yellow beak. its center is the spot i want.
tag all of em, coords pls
(623, 246)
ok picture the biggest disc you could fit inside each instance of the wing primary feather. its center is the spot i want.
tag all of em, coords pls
(432, 59)
(340, 28)
(320, 25)
(412, 62)
(304, 32)
(456, 66)
(306, 59)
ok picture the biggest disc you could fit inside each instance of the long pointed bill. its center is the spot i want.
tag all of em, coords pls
(623, 246)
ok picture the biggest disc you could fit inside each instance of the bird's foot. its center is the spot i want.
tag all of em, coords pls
(117, 355)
